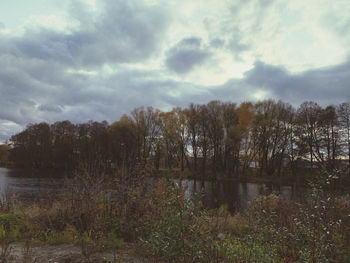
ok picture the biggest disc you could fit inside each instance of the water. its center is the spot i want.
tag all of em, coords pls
(235, 195)
(16, 184)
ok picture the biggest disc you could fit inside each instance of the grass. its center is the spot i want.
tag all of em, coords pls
(167, 227)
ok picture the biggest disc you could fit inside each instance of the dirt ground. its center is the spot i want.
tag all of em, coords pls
(68, 254)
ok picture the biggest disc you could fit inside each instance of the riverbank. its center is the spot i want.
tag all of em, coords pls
(167, 227)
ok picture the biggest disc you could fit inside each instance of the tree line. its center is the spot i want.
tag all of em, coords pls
(218, 139)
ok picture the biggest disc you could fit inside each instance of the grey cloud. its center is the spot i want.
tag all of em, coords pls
(50, 108)
(128, 31)
(266, 75)
(17, 89)
(183, 61)
(18, 112)
(7, 130)
(36, 86)
(186, 55)
(75, 97)
(25, 84)
(33, 90)
(191, 42)
(236, 44)
(325, 85)
(217, 43)
(125, 31)
(2, 25)
(234, 90)
(4, 137)
(47, 45)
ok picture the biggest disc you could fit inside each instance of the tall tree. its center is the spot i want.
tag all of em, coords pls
(215, 129)
(148, 128)
(170, 137)
(308, 122)
(263, 132)
(64, 148)
(32, 147)
(193, 129)
(123, 145)
(203, 138)
(329, 136)
(245, 114)
(344, 120)
(232, 138)
(4, 153)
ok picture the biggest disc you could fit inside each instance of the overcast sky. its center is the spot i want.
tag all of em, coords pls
(98, 59)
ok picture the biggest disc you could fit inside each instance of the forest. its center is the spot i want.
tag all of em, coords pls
(218, 140)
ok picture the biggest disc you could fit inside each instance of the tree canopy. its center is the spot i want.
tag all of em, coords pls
(209, 140)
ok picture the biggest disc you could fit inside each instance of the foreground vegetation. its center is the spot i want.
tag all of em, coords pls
(166, 227)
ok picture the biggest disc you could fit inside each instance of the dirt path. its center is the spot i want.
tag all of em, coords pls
(68, 254)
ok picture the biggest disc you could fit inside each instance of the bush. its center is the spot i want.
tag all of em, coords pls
(181, 232)
(313, 231)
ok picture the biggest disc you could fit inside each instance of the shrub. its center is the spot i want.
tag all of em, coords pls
(180, 233)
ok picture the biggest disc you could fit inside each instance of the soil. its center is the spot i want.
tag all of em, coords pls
(68, 254)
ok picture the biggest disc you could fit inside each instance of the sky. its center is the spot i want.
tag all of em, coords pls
(83, 60)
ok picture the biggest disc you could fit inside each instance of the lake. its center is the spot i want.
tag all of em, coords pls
(236, 195)
(13, 182)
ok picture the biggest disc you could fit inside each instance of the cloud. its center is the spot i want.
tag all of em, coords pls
(325, 85)
(266, 75)
(101, 60)
(40, 79)
(247, 21)
(294, 34)
(74, 96)
(7, 130)
(217, 43)
(236, 46)
(124, 32)
(186, 55)
(50, 108)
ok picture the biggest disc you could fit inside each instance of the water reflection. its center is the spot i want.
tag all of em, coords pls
(235, 195)
(13, 182)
